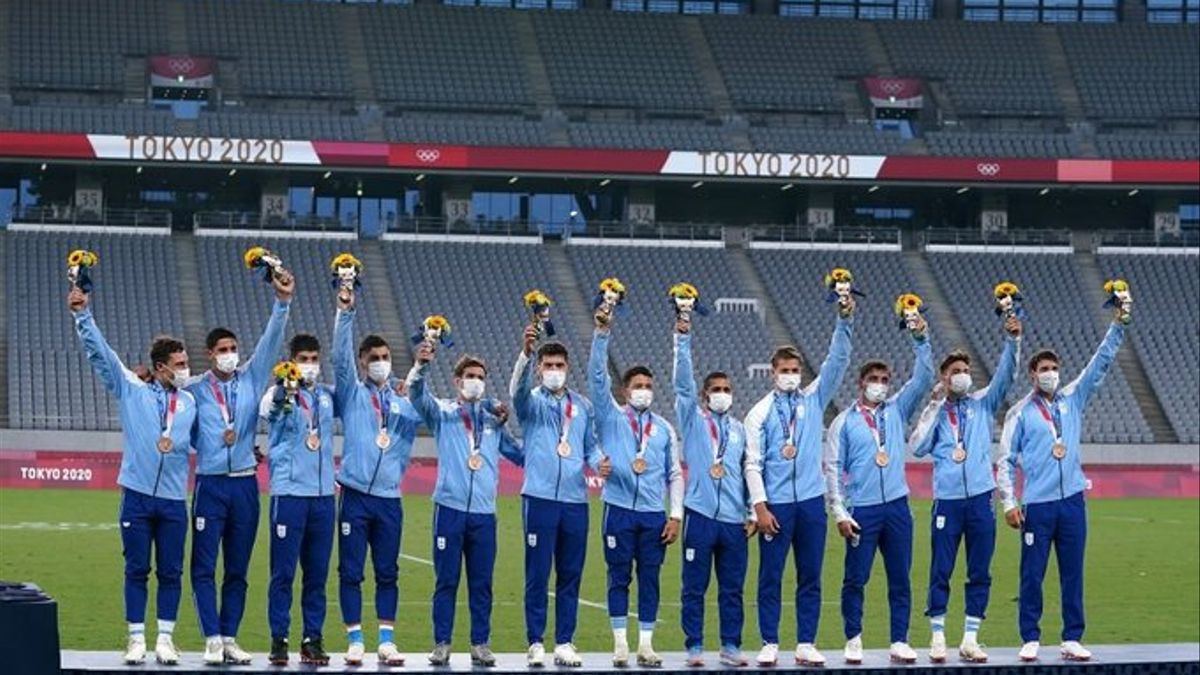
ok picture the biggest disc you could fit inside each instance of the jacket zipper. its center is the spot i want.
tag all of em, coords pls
(470, 490)
(882, 493)
(558, 477)
(158, 476)
(375, 473)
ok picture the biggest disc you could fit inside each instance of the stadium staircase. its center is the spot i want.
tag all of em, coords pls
(573, 304)
(536, 77)
(706, 64)
(387, 303)
(1064, 83)
(941, 99)
(177, 30)
(947, 334)
(350, 30)
(4, 291)
(1131, 366)
(4, 85)
(877, 54)
(191, 308)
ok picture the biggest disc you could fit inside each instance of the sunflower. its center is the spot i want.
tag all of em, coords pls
(437, 322)
(838, 275)
(683, 290)
(613, 284)
(536, 298)
(1115, 286)
(287, 371)
(907, 302)
(345, 260)
(1006, 289)
(82, 258)
(253, 255)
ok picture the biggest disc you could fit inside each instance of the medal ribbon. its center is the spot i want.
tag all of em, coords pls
(310, 416)
(380, 409)
(564, 419)
(788, 422)
(473, 429)
(643, 438)
(227, 411)
(955, 428)
(1051, 420)
(877, 430)
(719, 438)
(168, 413)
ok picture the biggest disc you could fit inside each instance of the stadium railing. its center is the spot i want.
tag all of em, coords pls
(838, 235)
(650, 231)
(69, 215)
(250, 220)
(970, 237)
(1144, 238)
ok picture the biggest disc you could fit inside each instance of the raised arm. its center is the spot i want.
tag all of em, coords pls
(270, 344)
(993, 394)
(924, 436)
(345, 373)
(1006, 461)
(685, 382)
(836, 362)
(599, 381)
(835, 458)
(116, 377)
(1097, 368)
(419, 395)
(914, 390)
(520, 387)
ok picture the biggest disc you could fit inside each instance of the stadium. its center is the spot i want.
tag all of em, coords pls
(466, 152)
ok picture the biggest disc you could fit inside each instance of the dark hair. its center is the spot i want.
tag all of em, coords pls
(715, 375)
(873, 364)
(954, 356)
(1042, 355)
(371, 342)
(303, 342)
(786, 353)
(216, 335)
(468, 361)
(552, 349)
(634, 372)
(162, 348)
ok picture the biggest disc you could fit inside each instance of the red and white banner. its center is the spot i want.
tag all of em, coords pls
(182, 71)
(98, 471)
(894, 92)
(431, 157)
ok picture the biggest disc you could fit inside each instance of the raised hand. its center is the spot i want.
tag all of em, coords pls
(1012, 326)
(345, 299)
(529, 339)
(425, 353)
(682, 326)
(285, 285)
(77, 300)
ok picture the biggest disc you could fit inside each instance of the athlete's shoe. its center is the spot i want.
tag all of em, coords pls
(312, 650)
(165, 652)
(535, 657)
(937, 647)
(732, 657)
(1071, 650)
(853, 651)
(807, 655)
(389, 655)
(481, 655)
(647, 658)
(768, 655)
(695, 657)
(620, 658)
(354, 654)
(214, 651)
(234, 654)
(279, 652)
(440, 656)
(1029, 651)
(135, 650)
(970, 652)
(565, 655)
(902, 653)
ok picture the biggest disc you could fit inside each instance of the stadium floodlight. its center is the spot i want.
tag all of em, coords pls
(327, 174)
(873, 188)
(1134, 192)
(1043, 192)
(420, 177)
(513, 179)
(43, 166)
(604, 182)
(233, 172)
(962, 190)
(697, 184)
(787, 187)
(139, 169)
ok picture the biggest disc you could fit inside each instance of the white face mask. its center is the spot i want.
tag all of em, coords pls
(178, 377)
(472, 388)
(960, 383)
(379, 371)
(1047, 381)
(227, 362)
(720, 402)
(310, 372)
(641, 398)
(554, 380)
(876, 392)
(788, 382)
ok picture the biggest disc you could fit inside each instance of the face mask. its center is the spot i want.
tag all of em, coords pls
(379, 371)
(472, 388)
(178, 377)
(960, 383)
(310, 372)
(876, 392)
(720, 402)
(554, 379)
(641, 398)
(1047, 381)
(227, 362)
(788, 382)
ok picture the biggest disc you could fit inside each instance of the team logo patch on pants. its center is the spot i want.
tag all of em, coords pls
(1029, 539)
(345, 529)
(612, 541)
(281, 531)
(689, 554)
(199, 524)
(531, 539)
(941, 522)
(441, 543)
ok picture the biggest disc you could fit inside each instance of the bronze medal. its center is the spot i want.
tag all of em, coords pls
(475, 462)
(789, 451)
(1059, 450)
(717, 471)
(960, 454)
(313, 442)
(882, 458)
(229, 437)
(639, 466)
(383, 440)
(165, 445)
(564, 449)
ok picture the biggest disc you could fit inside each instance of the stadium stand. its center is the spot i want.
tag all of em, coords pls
(999, 144)
(727, 341)
(674, 136)
(863, 140)
(484, 305)
(299, 126)
(1148, 145)
(1168, 322)
(91, 119)
(418, 59)
(465, 130)
(795, 281)
(51, 385)
(1058, 319)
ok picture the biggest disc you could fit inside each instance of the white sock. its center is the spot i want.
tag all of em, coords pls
(228, 640)
(165, 627)
(620, 636)
(645, 637)
(137, 631)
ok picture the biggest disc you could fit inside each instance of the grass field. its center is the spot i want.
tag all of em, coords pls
(1143, 580)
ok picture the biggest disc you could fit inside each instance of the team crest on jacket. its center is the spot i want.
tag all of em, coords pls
(281, 531)
(199, 523)
(395, 407)
(345, 529)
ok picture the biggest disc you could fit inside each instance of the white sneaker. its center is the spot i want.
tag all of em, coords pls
(937, 647)
(1073, 651)
(902, 653)
(732, 657)
(620, 652)
(647, 657)
(853, 651)
(807, 655)
(135, 650)
(565, 655)
(354, 654)
(1029, 651)
(536, 656)
(165, 652)
(389, 655)
(235, 654)
(214, 651)
(971, 652)
(768, 655)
